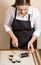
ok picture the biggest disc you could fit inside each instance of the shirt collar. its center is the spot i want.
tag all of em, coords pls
(30, 10)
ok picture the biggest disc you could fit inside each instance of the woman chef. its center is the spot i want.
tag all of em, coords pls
(23, 25)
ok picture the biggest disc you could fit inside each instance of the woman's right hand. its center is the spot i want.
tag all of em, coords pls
(15, 41)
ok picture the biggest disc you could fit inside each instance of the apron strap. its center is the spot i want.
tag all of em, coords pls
(15, 12)
(28, 17)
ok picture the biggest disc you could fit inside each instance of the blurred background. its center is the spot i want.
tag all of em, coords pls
(4, 37)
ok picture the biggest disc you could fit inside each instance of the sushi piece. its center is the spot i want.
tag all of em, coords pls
(22, 55)
(10, 57)
(16, 59)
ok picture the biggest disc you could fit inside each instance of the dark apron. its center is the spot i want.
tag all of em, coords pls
(23, 31)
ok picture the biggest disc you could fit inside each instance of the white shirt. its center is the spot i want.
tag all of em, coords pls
(35, 19)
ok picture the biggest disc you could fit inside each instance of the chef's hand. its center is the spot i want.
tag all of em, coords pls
(15, 42)
(30, 47)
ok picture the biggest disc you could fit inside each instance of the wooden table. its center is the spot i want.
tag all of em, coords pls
(37, 56)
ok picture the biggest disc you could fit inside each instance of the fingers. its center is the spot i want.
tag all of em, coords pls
(30, 48)
(15, 43)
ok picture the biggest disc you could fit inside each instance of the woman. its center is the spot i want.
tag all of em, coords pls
(25, 25)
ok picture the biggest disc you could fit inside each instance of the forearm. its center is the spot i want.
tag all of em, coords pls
(9, 31)
(11, 34)
(33, 38)
(14, 38)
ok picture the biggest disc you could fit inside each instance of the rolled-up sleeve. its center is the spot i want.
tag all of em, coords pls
(37, 24)
(8, 19)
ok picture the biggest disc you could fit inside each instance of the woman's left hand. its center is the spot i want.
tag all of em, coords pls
(30, 46)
